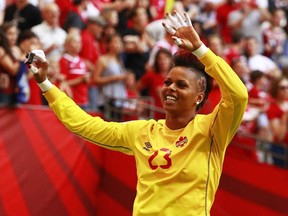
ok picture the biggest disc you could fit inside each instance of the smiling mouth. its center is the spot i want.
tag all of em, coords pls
(170, 98)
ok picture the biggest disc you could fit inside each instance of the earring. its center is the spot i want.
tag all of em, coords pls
(197, 102)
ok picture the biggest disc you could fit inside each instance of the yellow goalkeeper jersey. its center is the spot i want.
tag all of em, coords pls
(178, 170)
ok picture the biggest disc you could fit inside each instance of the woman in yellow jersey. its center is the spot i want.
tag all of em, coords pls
(179, 159)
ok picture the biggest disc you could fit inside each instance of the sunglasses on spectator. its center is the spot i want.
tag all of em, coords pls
(283, 87)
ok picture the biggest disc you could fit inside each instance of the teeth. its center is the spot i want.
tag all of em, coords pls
(170, 98)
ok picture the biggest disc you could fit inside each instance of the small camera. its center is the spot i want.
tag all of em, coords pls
(30, 57)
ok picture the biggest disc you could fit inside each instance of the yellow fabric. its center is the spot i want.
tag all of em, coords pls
(171, 180)
(169, 6)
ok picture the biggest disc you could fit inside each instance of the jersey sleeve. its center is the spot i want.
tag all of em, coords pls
(227, 115)
(112, 135)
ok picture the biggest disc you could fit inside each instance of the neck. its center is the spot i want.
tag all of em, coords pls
(21, 5)
(176, 122)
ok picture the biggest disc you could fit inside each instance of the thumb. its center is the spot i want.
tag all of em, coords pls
(183, 43)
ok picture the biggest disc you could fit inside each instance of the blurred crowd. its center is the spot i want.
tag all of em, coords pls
(101, 51)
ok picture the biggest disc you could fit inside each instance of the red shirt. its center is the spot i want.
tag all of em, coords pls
(74, 67)
(222, 13)
(159, 6)
(255, 93)
(90, 47)
(275, 112)
(154, 82)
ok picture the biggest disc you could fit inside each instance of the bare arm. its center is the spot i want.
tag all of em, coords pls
(8, 63)
(97, 77)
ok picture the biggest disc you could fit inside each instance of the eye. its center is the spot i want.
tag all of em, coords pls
(167, 82)
(182, 84)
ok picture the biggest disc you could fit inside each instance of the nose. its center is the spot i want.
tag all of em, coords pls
(172, 87)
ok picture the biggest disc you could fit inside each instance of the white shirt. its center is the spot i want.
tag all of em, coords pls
(49, 36)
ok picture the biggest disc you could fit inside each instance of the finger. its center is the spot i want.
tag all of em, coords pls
(179, 19)
(173, 21)
(177, 40)
(169, 29)
(40, 55)
(32, 69)
(187, 20)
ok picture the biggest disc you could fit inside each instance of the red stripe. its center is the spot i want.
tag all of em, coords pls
(254, 195)
(52, 167)
(34, 183)
(12, 200)
(67, 149)
(227, 204)
(266, 177)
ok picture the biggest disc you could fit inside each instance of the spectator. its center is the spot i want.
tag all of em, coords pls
(259, 101)
(50, 34)
(207, 17)
(74, 69)
(247, 19)
(137, 43)
(75, 20)
(149, 8)
(112, 20)
(153, 79)
(240, 67)
(157, 8)
(192, 8)
(27, 42)
(234, 50)
(9, 70)
(65, 7)
(110, 75)
(278, 117)
(253, 57)
(166, 43)
(133, 106)
(23, 13)
(91, 51)
(90, 37)
(222, 13)
(215, 43)
(11, 32)
(275, 35)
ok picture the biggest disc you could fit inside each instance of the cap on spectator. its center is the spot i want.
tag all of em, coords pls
(99, 20)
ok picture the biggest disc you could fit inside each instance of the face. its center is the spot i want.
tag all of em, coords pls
(51, 14)
(141, 18)
(12, 34)
(74, 45)
(96, 30)
(215, 45)
(251, 47)
(115, 45)
(283, 89)
(180, 92)
(164, 62)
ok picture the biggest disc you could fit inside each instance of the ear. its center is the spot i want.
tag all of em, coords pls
(200, 98)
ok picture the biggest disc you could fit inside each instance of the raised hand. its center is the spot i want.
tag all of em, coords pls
(37, 65)
(182, 31)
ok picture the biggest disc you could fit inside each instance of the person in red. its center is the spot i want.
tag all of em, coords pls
(278, 117)
(91, 50)
(90, 36)
(153, 80)
(75, 19)
(222, 13)
(73, 67)
(215, 43)
(65, 7)
(28, 41)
